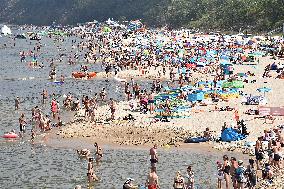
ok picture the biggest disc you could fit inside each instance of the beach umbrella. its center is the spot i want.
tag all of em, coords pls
(264, 90)
(225, 62)
(242, 75)
(159, 110)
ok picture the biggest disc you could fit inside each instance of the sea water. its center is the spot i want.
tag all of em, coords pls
(24, 164)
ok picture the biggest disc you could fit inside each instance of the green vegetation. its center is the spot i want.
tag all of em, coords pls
(228, 15)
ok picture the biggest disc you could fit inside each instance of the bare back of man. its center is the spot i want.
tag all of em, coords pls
(153, 156)
(153, 179)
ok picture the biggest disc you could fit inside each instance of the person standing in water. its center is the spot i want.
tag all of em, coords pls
(226, 170)
(153, 155)
(112, 106)
(220, 175)
(233, 167)
(99, 152)
(190, 176)
(44, 96)
(240, 175)
(103, 94)
(54, 108)
(178, 181)
(91, 176)
(17, 103)
(33, 135)
(22, 122)
(153, 179)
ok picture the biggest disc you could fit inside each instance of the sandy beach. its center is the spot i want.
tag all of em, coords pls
(145, 131)
(131, 92)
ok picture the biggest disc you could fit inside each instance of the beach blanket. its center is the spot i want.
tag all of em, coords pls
(230, 134)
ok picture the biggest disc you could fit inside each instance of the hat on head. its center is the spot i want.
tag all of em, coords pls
(240, 162)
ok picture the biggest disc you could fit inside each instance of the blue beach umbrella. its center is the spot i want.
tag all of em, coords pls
(242, 75)
(264, 90)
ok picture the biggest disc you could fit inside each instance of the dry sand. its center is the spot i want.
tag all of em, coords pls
(143, 131)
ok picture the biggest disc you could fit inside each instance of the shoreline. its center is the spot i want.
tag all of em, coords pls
(56, 141)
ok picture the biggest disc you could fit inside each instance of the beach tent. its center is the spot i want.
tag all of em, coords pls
(6, 30)
(230, 134)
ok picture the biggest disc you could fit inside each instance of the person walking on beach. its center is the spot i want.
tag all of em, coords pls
(151, 102)
(17, 103)
(276, 155)
(153, 155)
(153, 179)
(258, 152)
(236, 115)
(136, 89)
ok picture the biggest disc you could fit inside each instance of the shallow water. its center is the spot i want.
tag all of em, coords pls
(37, 166)
(26, 165)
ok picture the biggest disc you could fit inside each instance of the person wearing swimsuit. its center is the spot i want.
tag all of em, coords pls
(99, 152)
(190, 176)
(178, 181)
(226, 170)
(22, 122)
(91, 176)
(234, 166)
(154, 157)
(276, 155)
(153, 179)
(129, 184)
(151, 102)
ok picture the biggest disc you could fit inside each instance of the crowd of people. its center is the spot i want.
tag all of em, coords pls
(171, 55)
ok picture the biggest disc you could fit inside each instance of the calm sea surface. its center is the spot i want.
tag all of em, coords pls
(27, 165)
